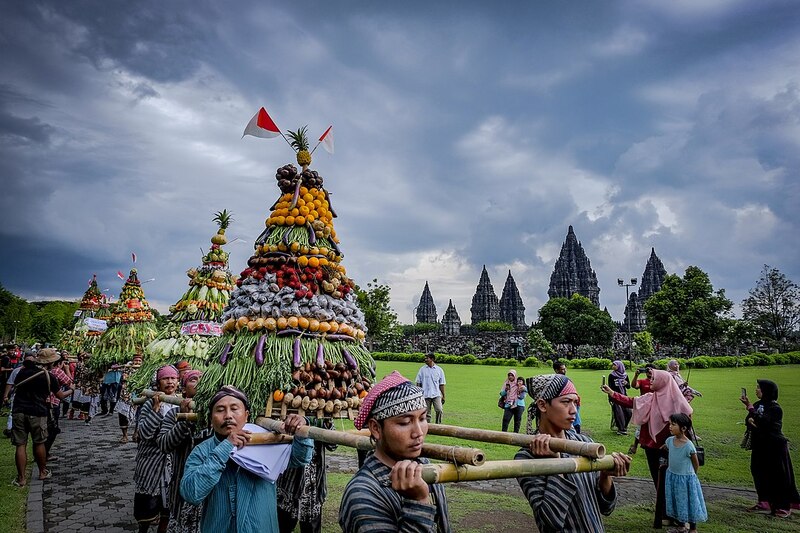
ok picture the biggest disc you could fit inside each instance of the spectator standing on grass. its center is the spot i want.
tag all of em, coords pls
(643, 386)
(431, 378)
(564, 503)
(619, 383)
(32, 389)
(684, 495)
(561, 368)
(5, 369)
(57, 368)
(513, 394)
(770, 462)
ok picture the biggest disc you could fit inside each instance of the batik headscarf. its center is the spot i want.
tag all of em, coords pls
(189, 374)
(394, 395)
(230, 390)
(546, 387)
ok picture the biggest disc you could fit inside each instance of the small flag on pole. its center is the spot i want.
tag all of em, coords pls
(120, 275)
(261, 125)
(327, 140)
(133, 256)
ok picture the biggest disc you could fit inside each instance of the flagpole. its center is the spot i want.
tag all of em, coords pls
(315, 147)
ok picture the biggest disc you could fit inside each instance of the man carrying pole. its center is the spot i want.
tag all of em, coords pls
(388, 493)
(566, 503)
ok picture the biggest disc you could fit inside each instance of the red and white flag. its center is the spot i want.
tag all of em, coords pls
(261, 125)
(327, 139)
(120, 275)
(133, 256)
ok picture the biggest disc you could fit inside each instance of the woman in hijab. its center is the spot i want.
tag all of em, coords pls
(651, 412)
(770, 463)
(674, 368)
(619, 382)
(513, 394)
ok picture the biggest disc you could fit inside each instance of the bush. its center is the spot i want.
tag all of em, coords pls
(419, 328)
(533, 362)
(494, 326)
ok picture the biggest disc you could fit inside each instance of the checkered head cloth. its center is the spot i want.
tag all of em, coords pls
(393, 396)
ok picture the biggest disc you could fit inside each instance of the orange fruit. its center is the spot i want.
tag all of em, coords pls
(270, 323)
(313, 324)
(302, 261)
(280, 220)
(303, 210)
(324, 327)
(300, 220)
(290, 220)
(334, 326)
(292, 321)
(302, 322)
(282, 323)
(294, 212)
(313, 262)
(309, 198)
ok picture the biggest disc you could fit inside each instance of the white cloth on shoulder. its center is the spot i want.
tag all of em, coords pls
(267, 461)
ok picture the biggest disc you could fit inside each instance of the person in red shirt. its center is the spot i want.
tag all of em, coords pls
(643, 386)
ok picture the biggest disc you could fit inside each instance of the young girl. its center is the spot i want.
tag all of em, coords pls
(684, 496)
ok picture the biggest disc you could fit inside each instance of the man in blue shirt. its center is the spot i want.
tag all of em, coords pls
(233, 499)
(431, 378)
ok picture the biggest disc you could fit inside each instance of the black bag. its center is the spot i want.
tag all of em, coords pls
(701, 452)
(501, 402)
(747, 440)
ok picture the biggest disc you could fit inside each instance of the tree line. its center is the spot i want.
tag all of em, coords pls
(28, 322)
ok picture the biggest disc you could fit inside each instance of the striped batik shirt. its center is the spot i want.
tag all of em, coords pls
(568, 503)
(371, 504)
(152, 470)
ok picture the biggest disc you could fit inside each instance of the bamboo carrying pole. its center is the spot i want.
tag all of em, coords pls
(166, 398)
(454, 454)
(593, 450)
(447, 473)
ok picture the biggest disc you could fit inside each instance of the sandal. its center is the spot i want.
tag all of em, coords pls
(47, 475)
(783, 513)
(17, 483)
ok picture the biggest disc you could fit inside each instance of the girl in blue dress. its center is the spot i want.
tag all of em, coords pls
(684, 496)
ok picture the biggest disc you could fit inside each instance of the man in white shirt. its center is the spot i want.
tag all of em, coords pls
(431, 378)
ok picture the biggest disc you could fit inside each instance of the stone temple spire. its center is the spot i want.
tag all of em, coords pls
(653, 277)
(485, 306)
(451, 323)
(634, 315)
(512, 309)
(573, 272)
(426, 310)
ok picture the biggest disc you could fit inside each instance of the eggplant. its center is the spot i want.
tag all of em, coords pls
(283, 332)
(296, 194)
(259, 351)
(296, 353)
(312, 236)
(264, 234)
(339, 337)
(286, 236)
(320, 356)
(223, 357)
(351, 361)
(330, 205)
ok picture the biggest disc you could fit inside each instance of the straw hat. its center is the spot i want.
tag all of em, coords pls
(47, 356)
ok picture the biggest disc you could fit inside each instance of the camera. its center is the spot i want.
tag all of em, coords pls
(642, 370)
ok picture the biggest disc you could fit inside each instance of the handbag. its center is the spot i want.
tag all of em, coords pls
(501, 402)
(701, 452)
(747, 440)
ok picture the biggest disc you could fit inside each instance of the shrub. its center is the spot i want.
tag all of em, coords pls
(494, 325)
(533, 362)
(419, 328)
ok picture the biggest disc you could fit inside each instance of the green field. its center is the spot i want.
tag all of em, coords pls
(472, 392)
(12, 499)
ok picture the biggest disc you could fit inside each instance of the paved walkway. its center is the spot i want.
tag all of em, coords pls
(92, 484)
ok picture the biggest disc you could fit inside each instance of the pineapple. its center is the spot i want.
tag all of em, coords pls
(300, 144)
(223, 219)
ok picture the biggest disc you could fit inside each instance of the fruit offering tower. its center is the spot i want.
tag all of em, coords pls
(293, 336)
(131, 327)
(80, 337)
(197, 317)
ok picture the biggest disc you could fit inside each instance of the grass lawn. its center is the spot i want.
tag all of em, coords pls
(12, 499)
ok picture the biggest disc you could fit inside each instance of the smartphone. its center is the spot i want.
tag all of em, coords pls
(641, 370)
(744, 392)
(604, 381)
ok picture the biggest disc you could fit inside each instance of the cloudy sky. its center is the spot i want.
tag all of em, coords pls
(467, 133)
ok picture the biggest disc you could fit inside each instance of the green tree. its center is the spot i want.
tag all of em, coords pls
(575, 321)
(644, 344)
(380, 318)
(493, 325)
(538, 343)
(773, 306)
(739, 333)
(687, 311)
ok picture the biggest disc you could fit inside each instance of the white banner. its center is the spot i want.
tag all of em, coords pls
(198, 327)
(95, 324)
(77, 313)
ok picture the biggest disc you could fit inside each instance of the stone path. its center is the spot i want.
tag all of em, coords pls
(92, 484)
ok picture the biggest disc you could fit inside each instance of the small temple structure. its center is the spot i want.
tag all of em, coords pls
(451, 323)
(485, 306)
(573, 272)
(652, 279)
(426, 309)
(634, 315)
(512, 310)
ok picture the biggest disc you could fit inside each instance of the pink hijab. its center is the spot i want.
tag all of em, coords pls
(655, 408)
(510, 386)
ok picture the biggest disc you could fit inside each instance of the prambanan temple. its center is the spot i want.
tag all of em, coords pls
(572, 274)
